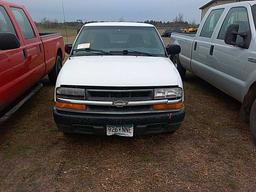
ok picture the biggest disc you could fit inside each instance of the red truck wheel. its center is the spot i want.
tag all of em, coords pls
(56, 69)
(253, 120)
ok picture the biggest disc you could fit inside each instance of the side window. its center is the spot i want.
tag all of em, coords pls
(211, 22)
(239, 16)
(5, 22)
(24, 23)
(254, 14)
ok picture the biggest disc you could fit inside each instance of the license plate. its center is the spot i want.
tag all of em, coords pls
(120, 130)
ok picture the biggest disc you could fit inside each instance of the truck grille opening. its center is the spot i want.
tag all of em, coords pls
(93, 108)
(119, 94)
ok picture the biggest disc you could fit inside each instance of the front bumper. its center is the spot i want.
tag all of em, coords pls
(95, 124)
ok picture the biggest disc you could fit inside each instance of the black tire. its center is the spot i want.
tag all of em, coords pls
(253, 120)
(176, 62)
(56, 69)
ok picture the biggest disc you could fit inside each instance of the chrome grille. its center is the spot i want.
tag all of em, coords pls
(119, 94)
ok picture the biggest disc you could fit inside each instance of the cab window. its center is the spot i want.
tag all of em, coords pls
(5, 22)
(239, 16)
(23, 22)
(211, 22)
(254, 14)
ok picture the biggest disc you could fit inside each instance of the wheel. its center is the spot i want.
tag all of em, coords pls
(176, 62)
(56, 69)
(253, 120)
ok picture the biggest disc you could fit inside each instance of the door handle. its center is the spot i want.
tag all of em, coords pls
(40, 48)
(25, 54)
(211, 50)
(195, 46)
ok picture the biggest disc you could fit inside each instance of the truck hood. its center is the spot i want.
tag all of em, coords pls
(119, 71)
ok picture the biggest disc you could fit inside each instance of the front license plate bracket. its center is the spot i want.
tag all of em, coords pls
(120, 130)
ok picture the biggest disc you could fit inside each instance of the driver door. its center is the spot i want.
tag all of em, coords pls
(229, 60)
(11, 65)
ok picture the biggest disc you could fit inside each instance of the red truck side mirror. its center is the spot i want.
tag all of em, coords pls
(8, 41)
(68, 48)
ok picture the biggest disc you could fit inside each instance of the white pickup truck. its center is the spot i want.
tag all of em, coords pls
(119, 80)
(223, 52)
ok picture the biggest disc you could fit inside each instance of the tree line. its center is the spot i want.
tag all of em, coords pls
(177, 22)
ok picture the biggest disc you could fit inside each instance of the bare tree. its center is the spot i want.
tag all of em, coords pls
(179, 18)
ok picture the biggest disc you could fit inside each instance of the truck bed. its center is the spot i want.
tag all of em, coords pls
(186, 34)
(186, 41)
(48, 34)
(50, 43)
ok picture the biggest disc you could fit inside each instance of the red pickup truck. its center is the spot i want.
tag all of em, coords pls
(25, 55)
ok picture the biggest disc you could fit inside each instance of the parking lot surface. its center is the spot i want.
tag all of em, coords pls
(212, 151)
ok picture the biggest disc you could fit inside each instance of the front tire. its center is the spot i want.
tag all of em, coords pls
(56, 69)
(176, 62)
(253, 119)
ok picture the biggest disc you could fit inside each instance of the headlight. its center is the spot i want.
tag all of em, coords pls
(70, 93)
(168, 93)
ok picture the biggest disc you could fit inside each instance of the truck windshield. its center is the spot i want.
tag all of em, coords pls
(254, 14)
(111, 40)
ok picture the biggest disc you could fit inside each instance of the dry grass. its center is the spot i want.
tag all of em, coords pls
(69, 33)
(212, 151)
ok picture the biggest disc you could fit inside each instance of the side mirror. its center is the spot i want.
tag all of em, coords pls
(8, 41)
(68, 48)
(166, 34)
(173, 49)
(232, 35)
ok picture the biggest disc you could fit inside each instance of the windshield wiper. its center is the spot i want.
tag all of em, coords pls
(133, 52)
(97, 51)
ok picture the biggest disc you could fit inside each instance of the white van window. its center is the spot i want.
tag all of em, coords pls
(211, 22)
(5, 22)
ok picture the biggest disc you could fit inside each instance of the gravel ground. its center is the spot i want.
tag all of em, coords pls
(212, 151)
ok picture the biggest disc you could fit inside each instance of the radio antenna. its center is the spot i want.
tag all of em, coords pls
(64, 18)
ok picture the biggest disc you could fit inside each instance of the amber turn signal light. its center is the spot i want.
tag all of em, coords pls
(70, 106)
(172, 106)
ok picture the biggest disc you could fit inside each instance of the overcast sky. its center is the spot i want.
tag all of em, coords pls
(113, 10)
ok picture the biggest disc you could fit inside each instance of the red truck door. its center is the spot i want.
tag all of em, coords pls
(11, 65)
(33, 48)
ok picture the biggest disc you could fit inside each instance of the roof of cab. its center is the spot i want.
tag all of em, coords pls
(118, 24)
(251, 2)
(10, 4)
(239, 3)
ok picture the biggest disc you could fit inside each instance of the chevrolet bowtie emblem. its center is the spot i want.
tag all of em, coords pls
(120, 103)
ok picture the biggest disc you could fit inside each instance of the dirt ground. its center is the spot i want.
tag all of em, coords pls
(212, 151)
